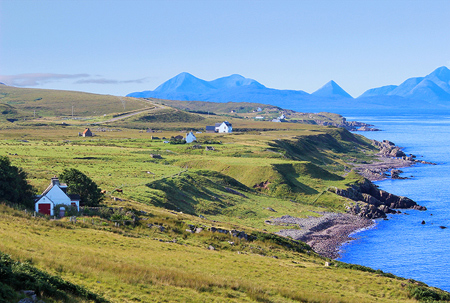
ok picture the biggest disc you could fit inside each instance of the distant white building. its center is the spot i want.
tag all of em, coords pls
(190, 137)
(224, 127)
(281, 118)
(56, 193)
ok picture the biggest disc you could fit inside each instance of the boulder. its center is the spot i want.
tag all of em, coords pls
(419, 207)
(395, 174)
(397, 152)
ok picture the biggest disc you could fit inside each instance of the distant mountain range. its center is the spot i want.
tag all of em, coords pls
(430, 93)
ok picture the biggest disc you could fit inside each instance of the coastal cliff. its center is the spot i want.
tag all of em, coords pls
(371, 202)
(367, 199)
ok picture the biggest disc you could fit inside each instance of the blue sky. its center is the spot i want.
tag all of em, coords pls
(118, 47)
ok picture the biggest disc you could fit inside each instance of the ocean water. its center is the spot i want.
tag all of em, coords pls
(402, 245)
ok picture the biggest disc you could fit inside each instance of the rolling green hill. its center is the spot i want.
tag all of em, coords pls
(189, 225)
(48, 103)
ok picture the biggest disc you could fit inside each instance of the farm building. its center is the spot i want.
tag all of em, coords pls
(56, 193)
(210, 129)
(87, 133)
(224, 127)
(190, 137)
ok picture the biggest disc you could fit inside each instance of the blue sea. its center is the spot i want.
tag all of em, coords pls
(402, 245)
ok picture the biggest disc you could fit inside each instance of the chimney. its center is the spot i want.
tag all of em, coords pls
(55, 181)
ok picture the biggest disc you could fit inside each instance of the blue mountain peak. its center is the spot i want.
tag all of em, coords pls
(442, 73)
(441, 77)
(234, 80)
(331, 90)
(184, 83)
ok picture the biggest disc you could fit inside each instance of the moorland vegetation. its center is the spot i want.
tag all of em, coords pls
(188, 225)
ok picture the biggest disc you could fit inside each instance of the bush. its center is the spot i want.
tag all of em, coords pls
(425, 294)
(69, 210)
(80, 184)
(177, 141)
(17, 276)
(14, 187)
(7, 293)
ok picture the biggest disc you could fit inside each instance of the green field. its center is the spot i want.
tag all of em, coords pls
(158, 257)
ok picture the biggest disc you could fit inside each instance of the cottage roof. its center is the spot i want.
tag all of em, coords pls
(218, 124)
(210, 127)
(227, 123)
(54, 182)
(86, 131)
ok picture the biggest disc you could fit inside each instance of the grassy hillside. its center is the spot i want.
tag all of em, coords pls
(49, 103)
(250, 111)
(216, 108)
(188, 226)
(145, 264)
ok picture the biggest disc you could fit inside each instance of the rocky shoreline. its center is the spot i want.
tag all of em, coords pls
(388, 161)
(326, 233)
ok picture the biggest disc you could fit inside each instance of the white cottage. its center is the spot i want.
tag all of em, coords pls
(56, 193)
(224, 127)
(190, 137)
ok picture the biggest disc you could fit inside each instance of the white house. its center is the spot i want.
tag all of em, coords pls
(56, 193)
(190, 137)
(224, 127)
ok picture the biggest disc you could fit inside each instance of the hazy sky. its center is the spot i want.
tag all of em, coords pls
(122, 46)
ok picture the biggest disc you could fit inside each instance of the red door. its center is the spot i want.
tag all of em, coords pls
(44, 208)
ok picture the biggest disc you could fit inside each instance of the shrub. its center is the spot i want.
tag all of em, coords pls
(69, 210)
(80, 184)
(17, 276)
(425, 294)
(7, 293)
(14, 187)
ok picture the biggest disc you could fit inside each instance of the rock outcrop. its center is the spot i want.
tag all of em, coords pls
(348, 125)
(372, 202)
(388, 149)
(390, 158)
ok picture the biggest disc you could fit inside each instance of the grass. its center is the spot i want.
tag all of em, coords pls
(121, 159)
(135, 267)
(261, 167)
(17, 276)
(50, 103)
